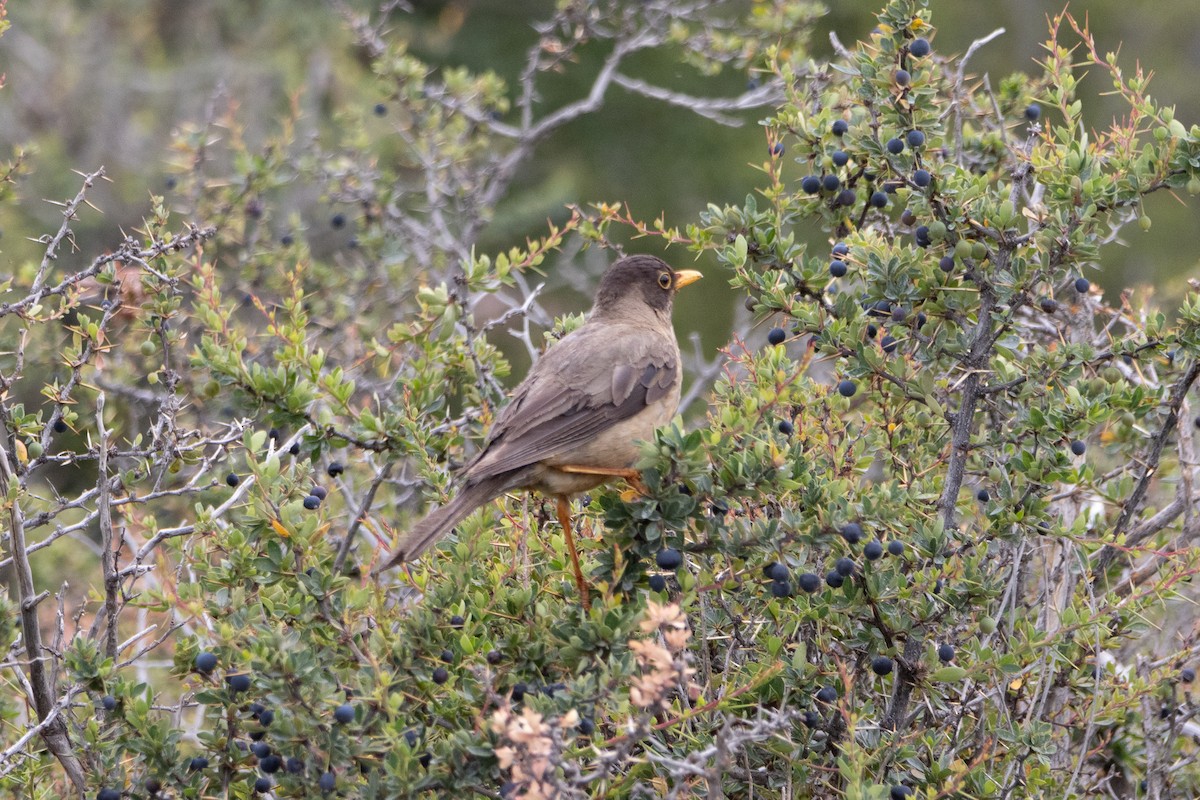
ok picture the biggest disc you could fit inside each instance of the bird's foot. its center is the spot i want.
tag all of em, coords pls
(631, 476)
(563, 506)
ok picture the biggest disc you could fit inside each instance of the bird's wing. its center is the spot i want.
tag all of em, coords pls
(588, 382)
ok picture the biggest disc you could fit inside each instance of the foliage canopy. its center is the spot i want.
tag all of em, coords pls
(923, 534)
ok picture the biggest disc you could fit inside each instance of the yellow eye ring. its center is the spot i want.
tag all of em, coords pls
(664, 280)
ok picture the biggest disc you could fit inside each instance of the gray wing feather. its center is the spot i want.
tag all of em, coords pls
(615, 375)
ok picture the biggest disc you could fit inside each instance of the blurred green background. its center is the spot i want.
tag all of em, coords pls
(106, 82)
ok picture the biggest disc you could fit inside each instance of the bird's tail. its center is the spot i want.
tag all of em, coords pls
(438, 523)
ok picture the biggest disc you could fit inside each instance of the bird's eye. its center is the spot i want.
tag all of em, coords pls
(664, 280)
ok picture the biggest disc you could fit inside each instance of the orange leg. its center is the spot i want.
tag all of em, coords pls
(564, 518)
(632, 476)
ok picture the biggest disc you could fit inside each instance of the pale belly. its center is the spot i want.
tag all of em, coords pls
(615, 448)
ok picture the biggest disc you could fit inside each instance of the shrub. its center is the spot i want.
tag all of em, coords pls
(990, 650)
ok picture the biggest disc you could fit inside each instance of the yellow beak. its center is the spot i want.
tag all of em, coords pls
(685, 276)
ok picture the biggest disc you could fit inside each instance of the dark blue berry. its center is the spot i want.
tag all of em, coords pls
(901, 77)
(108, 794)
(852, 532)
(915, 139)
(440, 676)
(846, 197)
(266, 717)
(899, 792)
(922, 178)
(811, 184)
(895, 146)
(838, 268)
(776, 571)
(586, 726)
(344, 714)
(328, 782)
(982, 496)
(320, 492)
(205, 662)
(1078, 447)
(834, 578)
(881, 665)
(232, 479)
(785, 427)
(879, 199)
(844, 567)
(1048, 304)
(238, 682)
(945, 653)
(335, 468)
(841, 249)
(658, 583)
(827, 694)
(198, 763)
(919, 48)
(809, 582)
(776, 336)
(109, 702)
(830, 182)
(1082, 285)
(946, 263)
(840, 158)
(896, 547)
(1033, 112)
(839, 127)
(1187, 675)
(380, 110)
(294, 766)
(873, 550)
(781, 589)
(338, 220)
(668, 558)
(777, 149)
(271, 764)
(847, 388)
(888, 343)
(312, 502)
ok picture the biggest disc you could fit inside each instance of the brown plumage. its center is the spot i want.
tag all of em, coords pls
(576, 419)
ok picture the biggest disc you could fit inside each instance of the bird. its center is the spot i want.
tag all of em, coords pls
(576, 420)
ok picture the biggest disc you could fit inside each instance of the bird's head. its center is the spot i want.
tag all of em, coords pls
(637, 283)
